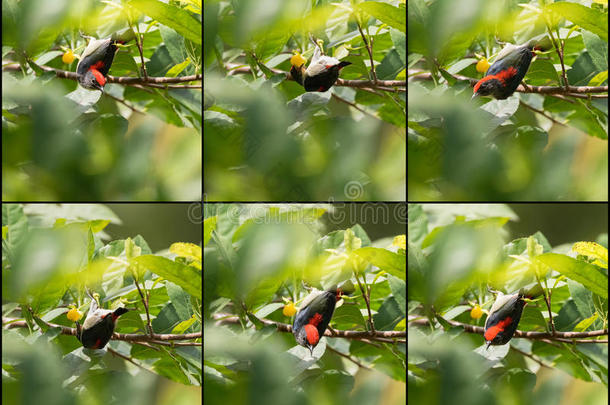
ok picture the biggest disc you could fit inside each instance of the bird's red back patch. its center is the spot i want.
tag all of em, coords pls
(493, 331)
(501, 76)
(315, 319)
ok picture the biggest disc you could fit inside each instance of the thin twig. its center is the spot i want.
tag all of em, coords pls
(353, 105)
(531, 89)
(548, 304)
(348, 357)
(531, 356)
(144, 297)
(366, 300)
(369, 49)
(120, 100)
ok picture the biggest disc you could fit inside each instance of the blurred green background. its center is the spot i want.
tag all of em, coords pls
(179, 221)
(562, 223)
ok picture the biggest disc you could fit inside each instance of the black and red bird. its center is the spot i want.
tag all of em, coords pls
(98, 326)
(94, 64)
(322, 73)
(503, 77)
(504, 318)
(313, 318)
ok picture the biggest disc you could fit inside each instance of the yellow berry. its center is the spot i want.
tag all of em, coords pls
(476, 312)
(74, 315)
(68, 57)
(298, 60)
(289, 309)
(482, 65)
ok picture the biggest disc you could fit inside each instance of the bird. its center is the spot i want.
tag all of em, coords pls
(98, 326)
(312, 320)
(322, 72)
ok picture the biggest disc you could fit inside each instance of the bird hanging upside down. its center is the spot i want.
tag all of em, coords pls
(322, 73)
(94, 65)
(503, 77)
(315, 315)
(98, 327)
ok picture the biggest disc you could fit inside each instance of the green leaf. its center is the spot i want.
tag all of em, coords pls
(302, 215)
(188, 250)
(131, 250)
(174, 17)
(393, 16)
(351, 241)
(593, 250)
(587, 274)
(399, 289)
(208, 227)
(14, 218)
(591, 20)
(348, 317)
(183, 326)
(186, 277)
(386, 260)
(586, 323)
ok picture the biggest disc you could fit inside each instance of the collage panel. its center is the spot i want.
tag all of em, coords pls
(305, 101)
(508, 301)
(304, 302)
(101, 101)
(101, 305)
(508, 101)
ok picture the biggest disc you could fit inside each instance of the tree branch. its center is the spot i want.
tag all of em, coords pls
(533, 89)
(558, 336)
(129, 337)
(398, 85)
(347, 334)
(64, 74)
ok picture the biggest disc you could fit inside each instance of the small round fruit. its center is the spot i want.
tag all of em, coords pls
(289, 309)
(74, 315)
(476, 312)
(482, 65)
(297, 60)
(68, 57)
